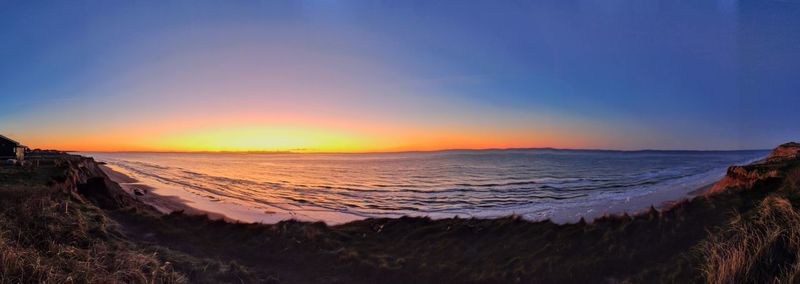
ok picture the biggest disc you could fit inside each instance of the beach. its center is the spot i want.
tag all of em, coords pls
(233, 185)
(159, 199)
(169, 199)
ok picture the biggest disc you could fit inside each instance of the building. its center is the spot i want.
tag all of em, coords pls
(10, 149)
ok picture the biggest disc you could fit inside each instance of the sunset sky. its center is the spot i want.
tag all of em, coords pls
(399, 75)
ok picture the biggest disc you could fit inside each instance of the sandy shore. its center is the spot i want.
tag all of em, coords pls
(660, 200)
(168, 199)
(163, 203)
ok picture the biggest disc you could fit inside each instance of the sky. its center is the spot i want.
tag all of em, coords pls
(355, 76)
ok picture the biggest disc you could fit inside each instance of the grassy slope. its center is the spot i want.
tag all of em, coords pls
(706, 239)
(48, 235)
(761, 245)
(51, 234)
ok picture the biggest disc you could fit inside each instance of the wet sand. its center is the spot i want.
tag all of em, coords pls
(660, 200)
(168, 199)
(163, 203)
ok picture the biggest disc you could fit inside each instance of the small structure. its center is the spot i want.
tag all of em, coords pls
(10, 149)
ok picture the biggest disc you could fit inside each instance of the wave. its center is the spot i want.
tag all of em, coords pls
(465, 185)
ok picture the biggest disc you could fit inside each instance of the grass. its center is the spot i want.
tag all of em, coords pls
(422, 250)
(52, 237)
(761, 245)
(760, 248)
(49, 235)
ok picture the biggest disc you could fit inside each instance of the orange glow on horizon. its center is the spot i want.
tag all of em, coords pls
(297, 138)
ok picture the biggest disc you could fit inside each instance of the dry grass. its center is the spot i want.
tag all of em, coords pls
(52, 237)
(762, 247)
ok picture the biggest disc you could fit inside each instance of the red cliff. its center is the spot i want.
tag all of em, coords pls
(788, 151)
(775, 166)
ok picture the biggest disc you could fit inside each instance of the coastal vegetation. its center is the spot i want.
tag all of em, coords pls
(49, 235)
(63, 221)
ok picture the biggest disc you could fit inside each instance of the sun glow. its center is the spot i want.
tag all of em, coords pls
(260, 138)
(322, 135)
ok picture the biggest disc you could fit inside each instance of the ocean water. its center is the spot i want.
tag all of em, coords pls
(534, 183)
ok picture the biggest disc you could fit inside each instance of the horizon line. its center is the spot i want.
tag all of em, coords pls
(418, 151)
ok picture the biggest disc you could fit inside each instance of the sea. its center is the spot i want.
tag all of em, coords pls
(536, 184)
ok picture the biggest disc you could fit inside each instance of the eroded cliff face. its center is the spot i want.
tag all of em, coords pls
(786, 151)
(84, 176)
(781, 163)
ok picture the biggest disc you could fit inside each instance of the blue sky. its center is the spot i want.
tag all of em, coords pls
(582, 74)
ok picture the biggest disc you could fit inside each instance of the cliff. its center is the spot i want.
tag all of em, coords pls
(58, 224)
(51, 233)
(778, 165)
(786, 151)
(83, 177)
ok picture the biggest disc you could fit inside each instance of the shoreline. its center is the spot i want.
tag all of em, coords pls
(694, 237)
(167, 199)
(163, 203)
